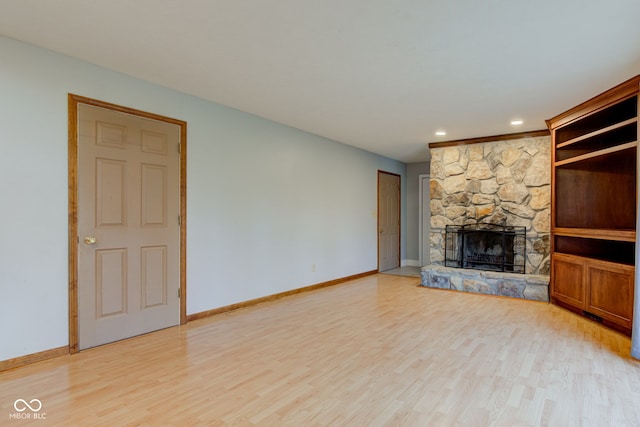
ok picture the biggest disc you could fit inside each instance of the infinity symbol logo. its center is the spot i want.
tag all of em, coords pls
(24, 405)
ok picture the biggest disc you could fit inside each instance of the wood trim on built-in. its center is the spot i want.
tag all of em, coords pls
(595, 319)
(552, 214)
(18, 362)
(616, 94)
(73, 101)
(505, 137)
(594, 233)
(227, 308)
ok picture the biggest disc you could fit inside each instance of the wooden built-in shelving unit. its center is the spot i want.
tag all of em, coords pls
(593, 206)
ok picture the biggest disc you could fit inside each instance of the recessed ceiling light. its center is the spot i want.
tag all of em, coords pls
(516, 122)
(441, 133)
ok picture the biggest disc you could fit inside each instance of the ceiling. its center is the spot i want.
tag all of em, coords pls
(382, 75)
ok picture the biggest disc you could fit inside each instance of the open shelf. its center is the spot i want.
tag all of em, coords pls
(600, 132)
(597, 193)
(621, 252)
(588, 154)
(609, 116)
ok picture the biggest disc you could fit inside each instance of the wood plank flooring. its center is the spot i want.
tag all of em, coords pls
(376, 351)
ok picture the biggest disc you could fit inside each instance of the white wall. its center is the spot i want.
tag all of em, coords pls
(265, 201)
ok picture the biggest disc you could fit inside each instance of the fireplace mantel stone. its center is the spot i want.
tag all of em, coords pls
(526, 286)
(493, 182)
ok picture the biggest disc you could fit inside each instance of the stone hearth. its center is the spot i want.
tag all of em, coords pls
(526, 286)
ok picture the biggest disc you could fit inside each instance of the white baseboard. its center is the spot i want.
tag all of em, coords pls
(410, 263)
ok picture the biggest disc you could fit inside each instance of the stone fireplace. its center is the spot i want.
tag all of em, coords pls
(504, 182)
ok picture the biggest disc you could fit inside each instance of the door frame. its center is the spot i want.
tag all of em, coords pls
(73, 101)
(380, 172)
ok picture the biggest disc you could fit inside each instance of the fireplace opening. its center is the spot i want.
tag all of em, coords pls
(485, 246)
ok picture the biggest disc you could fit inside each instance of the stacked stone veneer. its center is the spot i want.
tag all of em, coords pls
(493, 182)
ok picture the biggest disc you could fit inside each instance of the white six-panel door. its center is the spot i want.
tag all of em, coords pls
(128, 225)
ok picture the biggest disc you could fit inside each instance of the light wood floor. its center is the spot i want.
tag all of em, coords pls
(374, 351)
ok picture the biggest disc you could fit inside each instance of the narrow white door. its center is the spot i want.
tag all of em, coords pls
(129, 234)
(425, 220)
(388, 221)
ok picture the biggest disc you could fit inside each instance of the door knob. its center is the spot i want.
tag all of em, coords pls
(381, 231)
(90, 240)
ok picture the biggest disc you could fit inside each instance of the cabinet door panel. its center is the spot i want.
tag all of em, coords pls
(610, 293)
(568, 279)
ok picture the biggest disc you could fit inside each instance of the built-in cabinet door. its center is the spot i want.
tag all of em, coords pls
(568, 279)
(610, 292)
(602, 288)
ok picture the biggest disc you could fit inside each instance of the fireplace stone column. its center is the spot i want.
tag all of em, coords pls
(505, 180)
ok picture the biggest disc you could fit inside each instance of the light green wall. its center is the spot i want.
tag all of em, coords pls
(265, 202)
